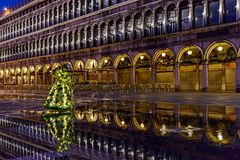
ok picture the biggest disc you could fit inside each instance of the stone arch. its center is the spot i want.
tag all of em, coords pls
(79, 70)
(138, 55)
(216, 44)
(118, 59)
(186, 48)
(78, 65)
(221, 59)
(164, 60)
(190, 60)
(91, 64)
(55, 66)
(168, 4)
(159, 52)
(106, 69)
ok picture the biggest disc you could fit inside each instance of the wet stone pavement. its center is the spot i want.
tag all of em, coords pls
(163, 126)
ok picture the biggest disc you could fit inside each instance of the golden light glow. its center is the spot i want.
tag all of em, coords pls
(189, 52)
(123, 122)
(122, 59)
(105, 61)
(220, 48)
(141, 57)
(142, 125)
(164, 54)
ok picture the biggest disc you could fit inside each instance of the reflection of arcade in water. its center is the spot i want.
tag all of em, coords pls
(123, 130)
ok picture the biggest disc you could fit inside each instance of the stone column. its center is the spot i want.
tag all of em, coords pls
(238, 75)
(153, 24)
(221, 10)
(133, 76)
(36, 77)
(99, 4)
(58, 14)
(91, 42)
(99, 75)
(124, 29)
(99, 36)
(197, 86)
(205, 12)
(223, 77)
(176, 75)
(73, 9)
(165, 22)
(238, 10)
(190, 16)
(176, 27)
(205, 76)
(43, 79)
(153, 76)
(67, 46)
(115, 75)
(86, 6)
(68, 10)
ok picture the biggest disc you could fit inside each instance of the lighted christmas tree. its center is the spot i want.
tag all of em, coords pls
(60, 96)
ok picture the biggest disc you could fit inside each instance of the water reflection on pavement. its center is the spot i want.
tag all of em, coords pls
(120, 130)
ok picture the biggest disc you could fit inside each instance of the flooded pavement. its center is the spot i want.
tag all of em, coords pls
(136, 130)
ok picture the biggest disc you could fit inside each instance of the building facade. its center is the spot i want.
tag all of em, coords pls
(180, 44)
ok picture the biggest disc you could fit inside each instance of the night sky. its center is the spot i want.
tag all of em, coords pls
(8, 3)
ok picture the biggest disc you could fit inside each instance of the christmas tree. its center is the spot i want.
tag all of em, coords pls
(60, 96)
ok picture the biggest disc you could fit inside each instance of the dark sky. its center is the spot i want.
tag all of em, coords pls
(8, 3)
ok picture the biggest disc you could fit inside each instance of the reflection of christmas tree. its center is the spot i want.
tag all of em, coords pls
(61, 128)
(60, 96)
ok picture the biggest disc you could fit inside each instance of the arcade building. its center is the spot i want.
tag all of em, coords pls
(185, 45)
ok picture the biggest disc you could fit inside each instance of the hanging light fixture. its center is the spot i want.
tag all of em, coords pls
(141, 57)
(189, 52)
(105, 61)
(220, 48)
(164, 54)
(122, 59)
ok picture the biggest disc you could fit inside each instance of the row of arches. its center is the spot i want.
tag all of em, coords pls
(140, 24)
(190, 69)
(62, 12)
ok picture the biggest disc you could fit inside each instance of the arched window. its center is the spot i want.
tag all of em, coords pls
(83, 10)
(103, 36)
(65, 12)
(119, 31)
(60, 13)
(111, 32)
(70, 45)
(95, 35)
(128, 28)
(213, 13)
(230, 11)
(171, 19)
(89, 6)
(198, 10)
(184, 15)
(159, 18)
(95, 5)
(77, 8)
(55, 16)
(137, 25)
(71, 14)
(76, 39)
(148, 23)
